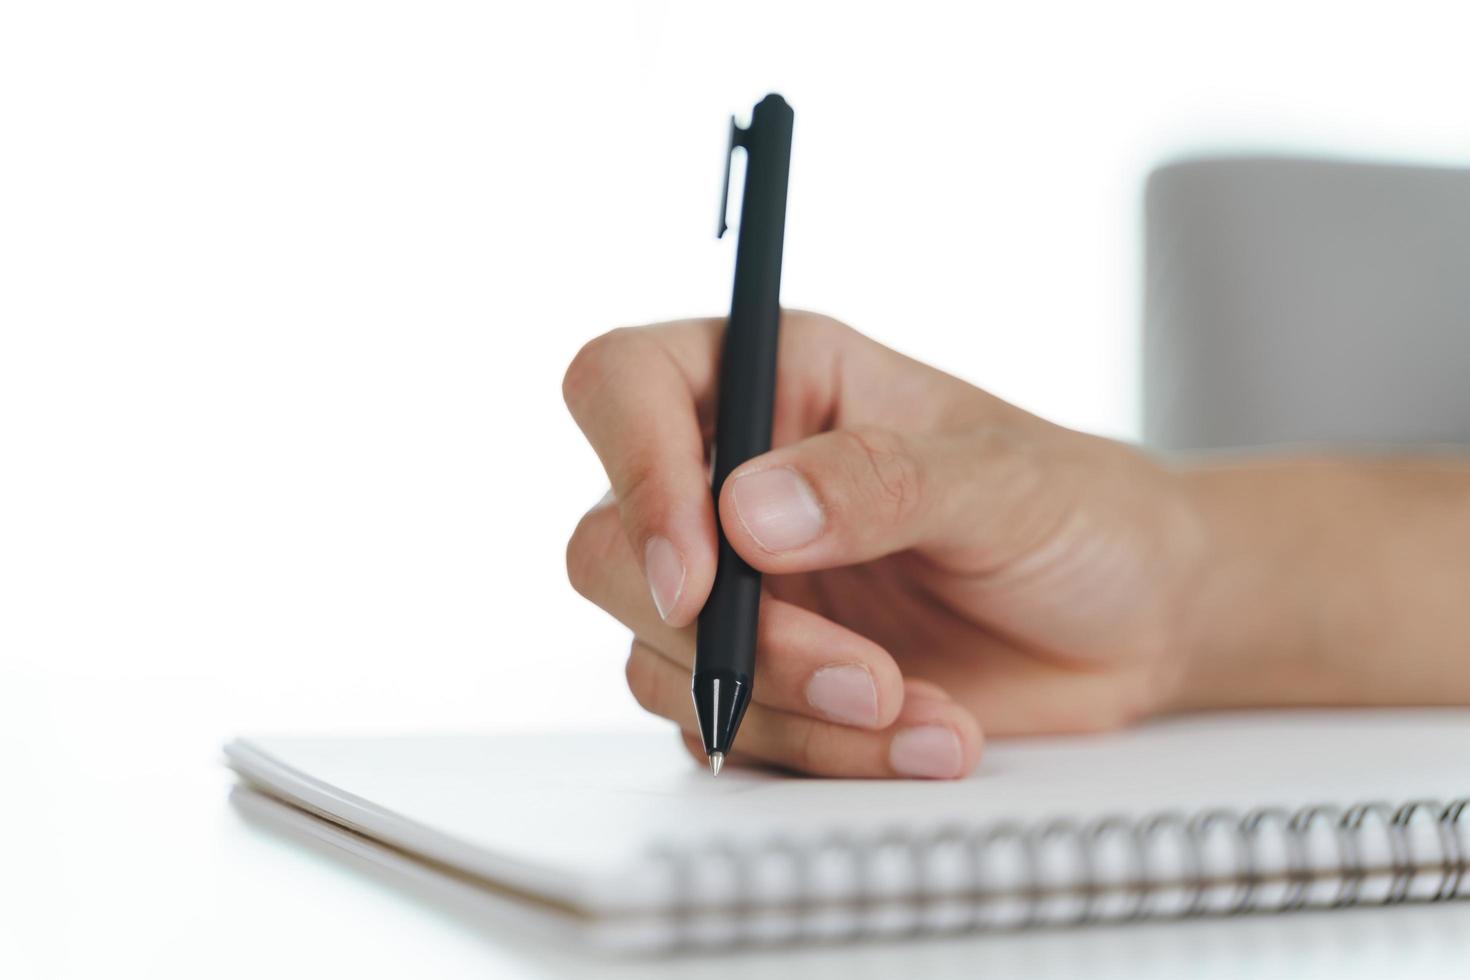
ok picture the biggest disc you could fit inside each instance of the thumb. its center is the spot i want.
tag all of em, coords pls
(854, 495)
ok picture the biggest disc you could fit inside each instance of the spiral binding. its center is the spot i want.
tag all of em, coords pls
(1004, 875)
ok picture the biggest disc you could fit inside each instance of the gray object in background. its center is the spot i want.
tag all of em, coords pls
(1307, 303)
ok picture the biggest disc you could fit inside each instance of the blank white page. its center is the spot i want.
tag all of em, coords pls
(571, 816)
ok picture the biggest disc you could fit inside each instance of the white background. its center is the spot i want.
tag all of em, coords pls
(287, 289)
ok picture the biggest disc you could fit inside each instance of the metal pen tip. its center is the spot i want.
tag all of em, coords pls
(716, 760)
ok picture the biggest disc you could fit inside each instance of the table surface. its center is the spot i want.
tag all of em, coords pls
(156, 875)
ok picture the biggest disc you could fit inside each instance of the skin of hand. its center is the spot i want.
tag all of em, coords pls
(938, 562)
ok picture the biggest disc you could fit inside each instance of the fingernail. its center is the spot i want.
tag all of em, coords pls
(665, 571)
(926, 751)
(777, 508)
(844, 693)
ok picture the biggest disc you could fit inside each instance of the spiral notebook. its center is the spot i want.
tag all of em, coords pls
(622, 841)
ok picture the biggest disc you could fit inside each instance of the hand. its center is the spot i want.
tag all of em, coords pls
(936, 561)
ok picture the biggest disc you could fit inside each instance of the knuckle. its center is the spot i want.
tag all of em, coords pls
(642, 682)
(591, 365)
(588, 551)
(638, 487)
(804, 753)
(888, 469)
(817, 324)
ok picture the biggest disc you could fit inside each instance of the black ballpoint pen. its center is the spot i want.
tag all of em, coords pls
(724, 660)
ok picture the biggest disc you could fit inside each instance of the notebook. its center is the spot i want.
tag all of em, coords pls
(622, 842)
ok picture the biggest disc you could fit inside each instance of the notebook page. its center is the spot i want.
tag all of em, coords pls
(572, 815)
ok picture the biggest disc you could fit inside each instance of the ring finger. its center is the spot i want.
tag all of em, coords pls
(931, 738)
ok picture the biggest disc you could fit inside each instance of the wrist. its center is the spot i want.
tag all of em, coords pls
(1251, 601)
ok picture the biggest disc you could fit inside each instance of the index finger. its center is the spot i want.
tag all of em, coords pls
(639, 395)
(645, 399)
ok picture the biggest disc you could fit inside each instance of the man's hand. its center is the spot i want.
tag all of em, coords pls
(936, 560)
(940, 563)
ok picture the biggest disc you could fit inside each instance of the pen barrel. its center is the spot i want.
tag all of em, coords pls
(748, 366)
(725, 643)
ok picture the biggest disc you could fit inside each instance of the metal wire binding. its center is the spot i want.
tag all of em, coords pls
(1250, 833)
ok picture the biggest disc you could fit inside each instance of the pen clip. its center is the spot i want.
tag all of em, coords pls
(737, 138)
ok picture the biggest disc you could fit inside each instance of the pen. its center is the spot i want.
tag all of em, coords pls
(724, 659)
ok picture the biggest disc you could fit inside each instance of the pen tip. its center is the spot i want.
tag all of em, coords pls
(716, 760)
